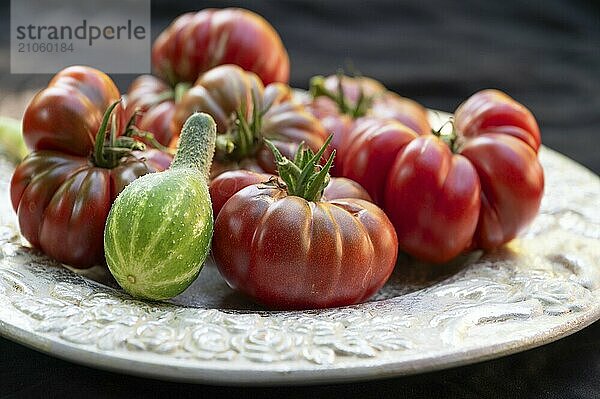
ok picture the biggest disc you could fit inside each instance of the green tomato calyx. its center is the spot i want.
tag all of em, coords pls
(451, 138)
(304, 176)
(244, 137)
(109, 154)
(360, 108)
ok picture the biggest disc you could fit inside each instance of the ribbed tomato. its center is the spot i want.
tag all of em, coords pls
(63, 190)
(294, 250)
(62, 202)
(246, 112)
(66, 115)
(340, 101)
(198, 41)
(476, 188)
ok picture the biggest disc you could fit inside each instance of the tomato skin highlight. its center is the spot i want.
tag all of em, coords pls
(296, 254)
(478, 191)
(197, 42)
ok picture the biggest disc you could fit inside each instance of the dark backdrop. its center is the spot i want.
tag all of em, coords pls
(546, 54)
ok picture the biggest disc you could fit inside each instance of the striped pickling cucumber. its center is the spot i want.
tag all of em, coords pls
(159, 228)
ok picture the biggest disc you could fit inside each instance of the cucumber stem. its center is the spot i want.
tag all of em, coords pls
(196, 144)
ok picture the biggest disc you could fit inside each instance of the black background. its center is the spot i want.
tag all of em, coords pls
(546, 54)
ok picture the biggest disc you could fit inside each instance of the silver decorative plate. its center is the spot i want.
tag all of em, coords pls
(542, 286)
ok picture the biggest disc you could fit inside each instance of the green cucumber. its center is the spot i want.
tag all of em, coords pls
(159, 229)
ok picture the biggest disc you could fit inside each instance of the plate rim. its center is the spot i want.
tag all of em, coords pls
(215, 376)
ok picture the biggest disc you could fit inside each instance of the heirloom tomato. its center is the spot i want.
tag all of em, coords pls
(246, 112)
(66, 115)
(477, 187)
(63, 190)
(286, 247)
(198, 41)
(339, 101)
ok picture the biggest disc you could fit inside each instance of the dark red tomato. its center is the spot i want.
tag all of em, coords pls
(154, 101)
(493, 112)
(477, 188)
(436, 221)
(246, 112)
(62, 202)
(198, 41)
(225, 185)
(340, 102)
(63, 190)
(67, 114)
(291, 253)
(363, 96)
(502, 139)
(294, 249)
(368, 157)
(156, 160)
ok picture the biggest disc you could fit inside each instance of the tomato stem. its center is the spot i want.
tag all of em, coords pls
(108, 155)
(180, 89)
(175, 94)
(360, 108)
(244, 138)
(304, 177)
(134, 131)
(99, 155)
(451, 139)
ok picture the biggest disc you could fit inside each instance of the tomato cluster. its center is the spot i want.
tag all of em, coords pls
(63, 190)
(286, 233)
(477, 187)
